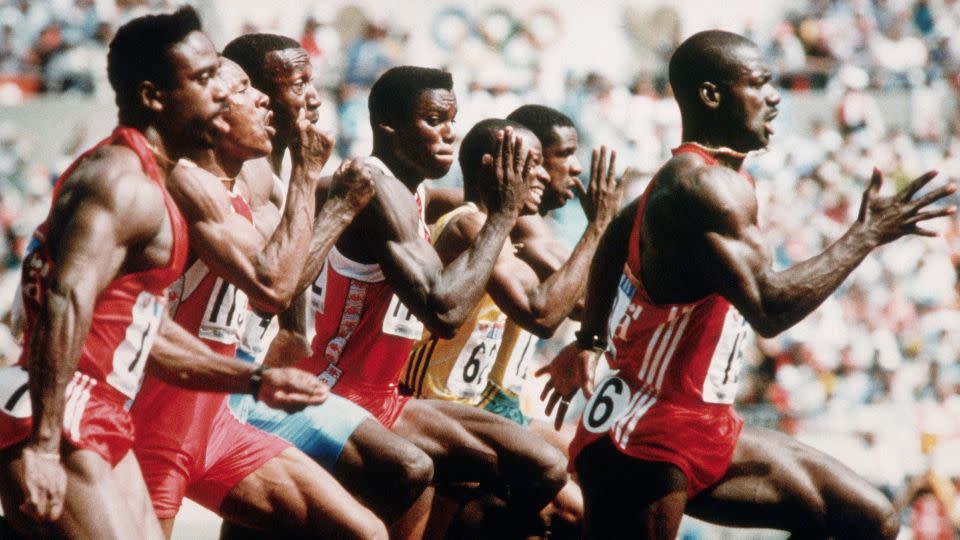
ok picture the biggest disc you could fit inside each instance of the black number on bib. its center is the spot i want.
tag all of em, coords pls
(472, 368)
(225, 288)
(603, 404)
(15, 396)
(140, 352)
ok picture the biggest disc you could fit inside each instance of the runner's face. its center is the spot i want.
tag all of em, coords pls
(752, 101)
(248, 115)
(563, 167)
(425, 142)
(539, 178)
(194, 105)
(292, 75)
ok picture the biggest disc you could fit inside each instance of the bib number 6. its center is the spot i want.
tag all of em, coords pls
(608, 404)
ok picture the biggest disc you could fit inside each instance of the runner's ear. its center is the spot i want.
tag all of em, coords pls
(709, 94)
(150, 96)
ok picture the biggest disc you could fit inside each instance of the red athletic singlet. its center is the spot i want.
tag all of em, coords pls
(188, 442)
(208, 306)
(364, 334)
(678, 367)
(125, 320)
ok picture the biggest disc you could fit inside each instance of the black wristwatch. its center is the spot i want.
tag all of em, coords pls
(256, 381)
(590, 342)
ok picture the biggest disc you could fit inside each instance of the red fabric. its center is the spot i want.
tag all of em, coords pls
(93, 418)
(680, 365)
(364, 334)
(204, 468)
(187, 441)
(699, 443)
(125, 319)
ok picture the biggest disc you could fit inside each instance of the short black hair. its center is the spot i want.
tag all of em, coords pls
(704, 56)
(541, 120)
(139, 52)
(480, 140)
(249, 52)
(394, 94)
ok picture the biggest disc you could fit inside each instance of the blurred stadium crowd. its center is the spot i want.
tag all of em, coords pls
(873, 377)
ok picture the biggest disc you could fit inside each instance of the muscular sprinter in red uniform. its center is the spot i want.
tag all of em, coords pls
(94, 290)
(188, 442)
(384, 278)
(660, 438)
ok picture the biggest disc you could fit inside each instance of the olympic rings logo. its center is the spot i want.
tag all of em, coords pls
(497, 27)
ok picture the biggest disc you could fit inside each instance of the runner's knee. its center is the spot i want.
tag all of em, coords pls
(416, 470)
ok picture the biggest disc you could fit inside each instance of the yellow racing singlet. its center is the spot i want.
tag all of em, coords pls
(457, 369)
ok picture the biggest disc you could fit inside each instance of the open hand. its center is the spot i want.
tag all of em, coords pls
(885, 219)
(573, 369)
(602, 202)
(509, 171)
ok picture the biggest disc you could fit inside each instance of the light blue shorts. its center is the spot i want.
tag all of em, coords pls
(320, 431)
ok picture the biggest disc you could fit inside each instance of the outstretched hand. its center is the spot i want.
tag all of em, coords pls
(605, 192)
(887, 218)
(573, 369)
(509, 171)
(291, 389)
(310, 145)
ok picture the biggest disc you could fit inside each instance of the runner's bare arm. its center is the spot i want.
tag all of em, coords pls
(540, 306)
(731, 258)
(442, 297)
(104, 210)
(180, 358)
(350, 190)
(231, 246)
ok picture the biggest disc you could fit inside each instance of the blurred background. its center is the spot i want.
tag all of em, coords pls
(872, 377)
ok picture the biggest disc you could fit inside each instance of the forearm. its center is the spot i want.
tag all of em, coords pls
(54, 355)
(605, 272)
(289, 246)
(181, 359)
(335, 216)
(561, 293)
(787, 297)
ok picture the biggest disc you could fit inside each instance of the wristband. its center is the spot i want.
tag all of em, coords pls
(256, 381)
(590, 342)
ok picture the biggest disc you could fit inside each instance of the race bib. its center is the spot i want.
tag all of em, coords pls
(15, 391)
(723, 375)
(610, 402)
(225, 314)
(516, 371)
(399, 321)
(130, 357)
(468, 377)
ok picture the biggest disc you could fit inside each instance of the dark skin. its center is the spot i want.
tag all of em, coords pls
(715, 246)
(540, 301)
(464, 443)
(540, 305)
(373, 457)
(233, 247)
(291, 91)
(109, 220)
